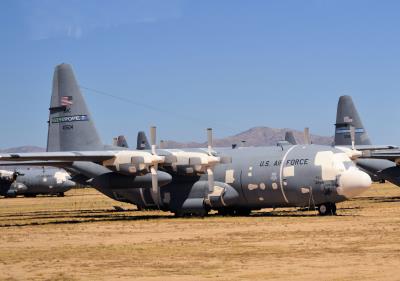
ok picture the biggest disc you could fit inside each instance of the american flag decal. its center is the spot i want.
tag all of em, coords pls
(66, 100)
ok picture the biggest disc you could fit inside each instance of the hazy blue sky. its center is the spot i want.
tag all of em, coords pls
(230, 65)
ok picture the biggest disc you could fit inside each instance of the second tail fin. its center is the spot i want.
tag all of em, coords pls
(142, 142)
(347, 117)
(289, 137)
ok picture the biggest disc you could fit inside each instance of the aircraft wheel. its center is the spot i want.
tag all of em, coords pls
(30, 195)
(234, 212)
(223, 212)
(243, 212)
(179, 214)
(201, 213)
(327, 209)
(333, 209)
(60, 194)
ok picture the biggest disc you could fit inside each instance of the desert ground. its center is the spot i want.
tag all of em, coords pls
(82, 237)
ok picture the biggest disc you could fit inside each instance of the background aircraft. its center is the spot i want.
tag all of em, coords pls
(347, 117)
(30, 182)
(194, 181)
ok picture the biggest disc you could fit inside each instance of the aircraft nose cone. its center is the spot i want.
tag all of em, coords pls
(353, 182)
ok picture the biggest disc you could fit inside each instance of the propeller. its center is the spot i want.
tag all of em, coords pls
(354, 153)
(353, 137)
(307, 137)
(210, 169)
(154, 168)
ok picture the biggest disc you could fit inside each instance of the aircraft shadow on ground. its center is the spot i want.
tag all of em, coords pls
(72, 217)
(41, 218)
(388, 199)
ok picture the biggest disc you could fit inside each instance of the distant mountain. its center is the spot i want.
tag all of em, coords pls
(257, 136)
(21, 149)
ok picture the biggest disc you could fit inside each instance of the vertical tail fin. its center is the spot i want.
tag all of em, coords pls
(71, 126)
(142, 142)
(347, 117)
(289, 137)
(120, 141)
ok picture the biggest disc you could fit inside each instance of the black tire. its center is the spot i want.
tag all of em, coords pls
(179, 214)
(234, 212)
(201, 213)
(223, 212)
(327, 209)
(243, 212)
(333, 209)
(60, 194)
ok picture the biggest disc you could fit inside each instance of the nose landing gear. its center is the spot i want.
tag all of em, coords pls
(327, 209)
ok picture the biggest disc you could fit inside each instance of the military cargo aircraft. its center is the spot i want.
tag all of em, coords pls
(31, 182)
(347, 118)
(194, 181)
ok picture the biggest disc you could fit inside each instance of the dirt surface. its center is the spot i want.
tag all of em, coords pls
(82, 237)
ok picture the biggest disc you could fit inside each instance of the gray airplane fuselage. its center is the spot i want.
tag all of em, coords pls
(262, 177)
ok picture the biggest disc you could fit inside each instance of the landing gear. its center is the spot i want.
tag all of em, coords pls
(327, 209)
(30, 195)
(198, 213)
(60, 194)
(234, 212)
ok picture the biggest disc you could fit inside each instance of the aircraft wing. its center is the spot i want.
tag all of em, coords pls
(36, 163)
(92, 156)
(375, 147)
(129, 162)
(370, 147)
(388, 154)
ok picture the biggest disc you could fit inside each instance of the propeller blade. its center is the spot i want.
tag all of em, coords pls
(209, 140)
(154, 186)
(154, 176)
(307, 138)
(353, 137)
(210, 174)
(153, 139)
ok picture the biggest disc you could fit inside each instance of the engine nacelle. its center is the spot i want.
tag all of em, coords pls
(118, 181)
(199, 198)
(224, 195)
(19, 187)
(8, 176)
